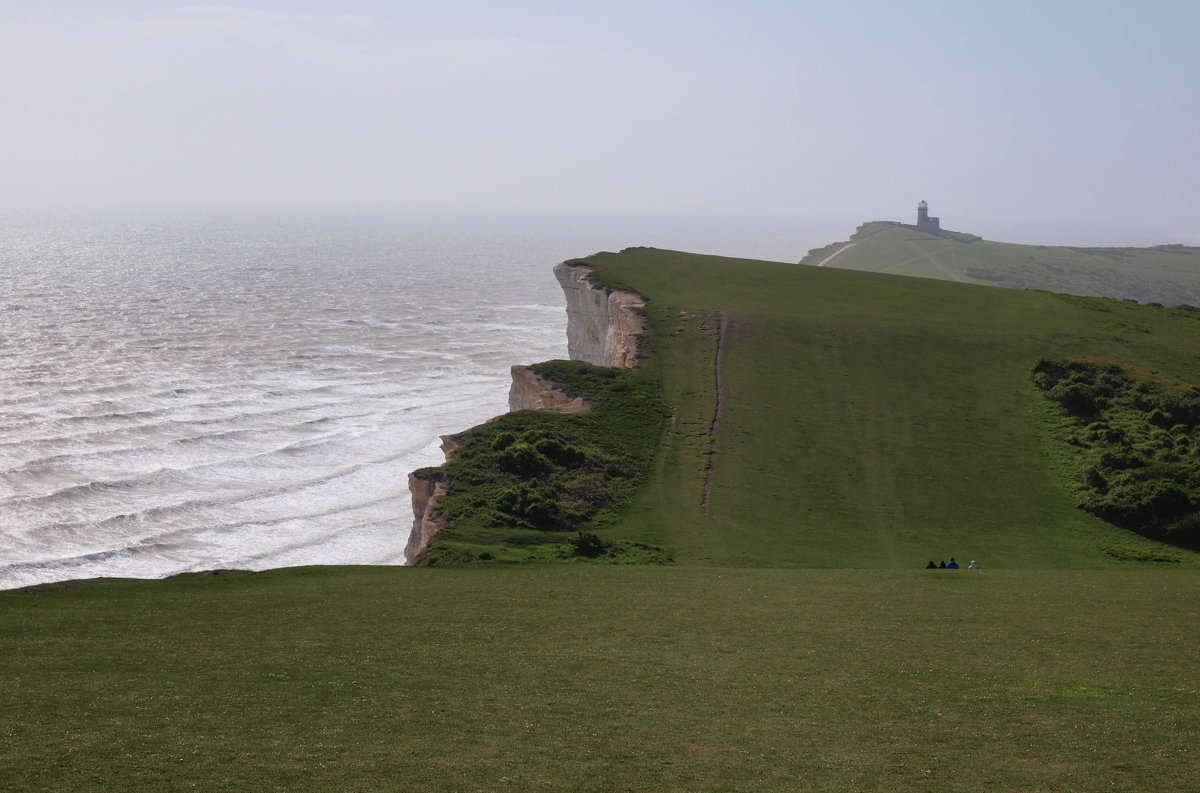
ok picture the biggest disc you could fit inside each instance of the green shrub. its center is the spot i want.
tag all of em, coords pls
(526, 478)
(1077, 398)
(588, 545)
(1147, 502)
(560, 453)
(529, 505)
(1137, 444)
(523, 460)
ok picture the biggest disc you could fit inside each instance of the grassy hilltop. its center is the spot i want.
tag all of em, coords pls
(866, 420)
(1167, 274)
(800, 441)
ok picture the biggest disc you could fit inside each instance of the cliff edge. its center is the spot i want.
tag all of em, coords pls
(602, 324)
(532, 391)
(602, 329)
(427, 487)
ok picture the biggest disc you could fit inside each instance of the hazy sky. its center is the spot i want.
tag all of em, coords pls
(1013, 119)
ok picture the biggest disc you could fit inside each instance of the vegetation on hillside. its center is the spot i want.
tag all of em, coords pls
(1167, 274)
(1138, 445)
(867, 422)
(832, 448)
(530, 485)
(836, 449)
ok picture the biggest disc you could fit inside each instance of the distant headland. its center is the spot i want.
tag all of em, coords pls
(1165, 274)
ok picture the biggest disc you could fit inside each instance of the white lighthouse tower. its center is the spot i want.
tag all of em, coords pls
(926, 223)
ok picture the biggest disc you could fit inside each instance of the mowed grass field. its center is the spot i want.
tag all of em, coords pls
(1168, 274)
(588, 678)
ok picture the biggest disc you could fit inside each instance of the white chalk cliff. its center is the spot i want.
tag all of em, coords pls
(427, 492)
(602, 325)
(531, 391)
(428, 519)
(602, 329)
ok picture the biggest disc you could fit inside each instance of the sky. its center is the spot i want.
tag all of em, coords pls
(1049, 121)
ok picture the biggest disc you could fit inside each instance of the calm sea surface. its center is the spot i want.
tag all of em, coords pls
(195, 393)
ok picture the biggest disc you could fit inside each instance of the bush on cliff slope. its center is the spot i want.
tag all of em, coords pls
(1138, 443)
(525, 482)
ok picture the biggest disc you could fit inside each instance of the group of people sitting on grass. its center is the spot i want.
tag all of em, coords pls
(953, 565)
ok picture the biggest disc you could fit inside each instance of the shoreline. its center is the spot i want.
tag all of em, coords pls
(602, 330)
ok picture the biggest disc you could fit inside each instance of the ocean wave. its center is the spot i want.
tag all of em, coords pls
(161, 478)
(164, 404)
(228, 489)
(90, 563)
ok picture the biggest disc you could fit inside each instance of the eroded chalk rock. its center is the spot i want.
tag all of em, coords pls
(531, 391)
(602, 325)
(602, 329)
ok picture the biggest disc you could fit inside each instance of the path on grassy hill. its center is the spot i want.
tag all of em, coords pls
(842, 249)
(936, 263)
(849, 245)
(716, 424)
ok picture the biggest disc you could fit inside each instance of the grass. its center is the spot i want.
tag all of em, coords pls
(875, 421)
(869, 423)
(588, 678)
(1168, 274)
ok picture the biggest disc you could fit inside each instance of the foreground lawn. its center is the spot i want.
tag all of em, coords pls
(579, 677)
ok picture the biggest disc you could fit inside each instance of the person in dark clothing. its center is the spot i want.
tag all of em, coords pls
(942, 565)
(931, 566)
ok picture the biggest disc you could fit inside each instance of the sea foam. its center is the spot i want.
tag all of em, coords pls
(211, 394)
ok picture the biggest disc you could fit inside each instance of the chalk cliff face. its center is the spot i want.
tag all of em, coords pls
(602, 329)
(531, 391)
(427, 492)
(428, 519)
(602, 326)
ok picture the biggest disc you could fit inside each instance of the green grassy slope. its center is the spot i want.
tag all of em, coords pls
(1166, 274)
(867, 421)
(583, 678)
(875, 421)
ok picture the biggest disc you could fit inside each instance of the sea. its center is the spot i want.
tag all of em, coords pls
(212, 391)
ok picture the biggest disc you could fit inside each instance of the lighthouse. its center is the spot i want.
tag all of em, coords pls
(926, 223)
